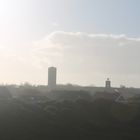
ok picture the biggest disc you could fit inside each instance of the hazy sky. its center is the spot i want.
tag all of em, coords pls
(88, 40)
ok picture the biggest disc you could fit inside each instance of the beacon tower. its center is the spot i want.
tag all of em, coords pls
(108, 83)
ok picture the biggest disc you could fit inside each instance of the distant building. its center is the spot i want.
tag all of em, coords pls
(52, 73)
(108, 83)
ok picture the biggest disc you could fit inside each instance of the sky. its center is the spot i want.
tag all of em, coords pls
(87, 40)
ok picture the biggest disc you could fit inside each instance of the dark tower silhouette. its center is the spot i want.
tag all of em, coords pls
(108, 83)
(52, 73)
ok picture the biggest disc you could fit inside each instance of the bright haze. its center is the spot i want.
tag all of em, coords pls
(87, 40)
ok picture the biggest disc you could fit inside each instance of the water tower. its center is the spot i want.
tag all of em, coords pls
(52, 73)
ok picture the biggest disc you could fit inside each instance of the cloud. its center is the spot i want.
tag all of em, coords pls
(82, 52)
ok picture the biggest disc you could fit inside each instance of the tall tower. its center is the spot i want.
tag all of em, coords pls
(52, 73)
(108, 83)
